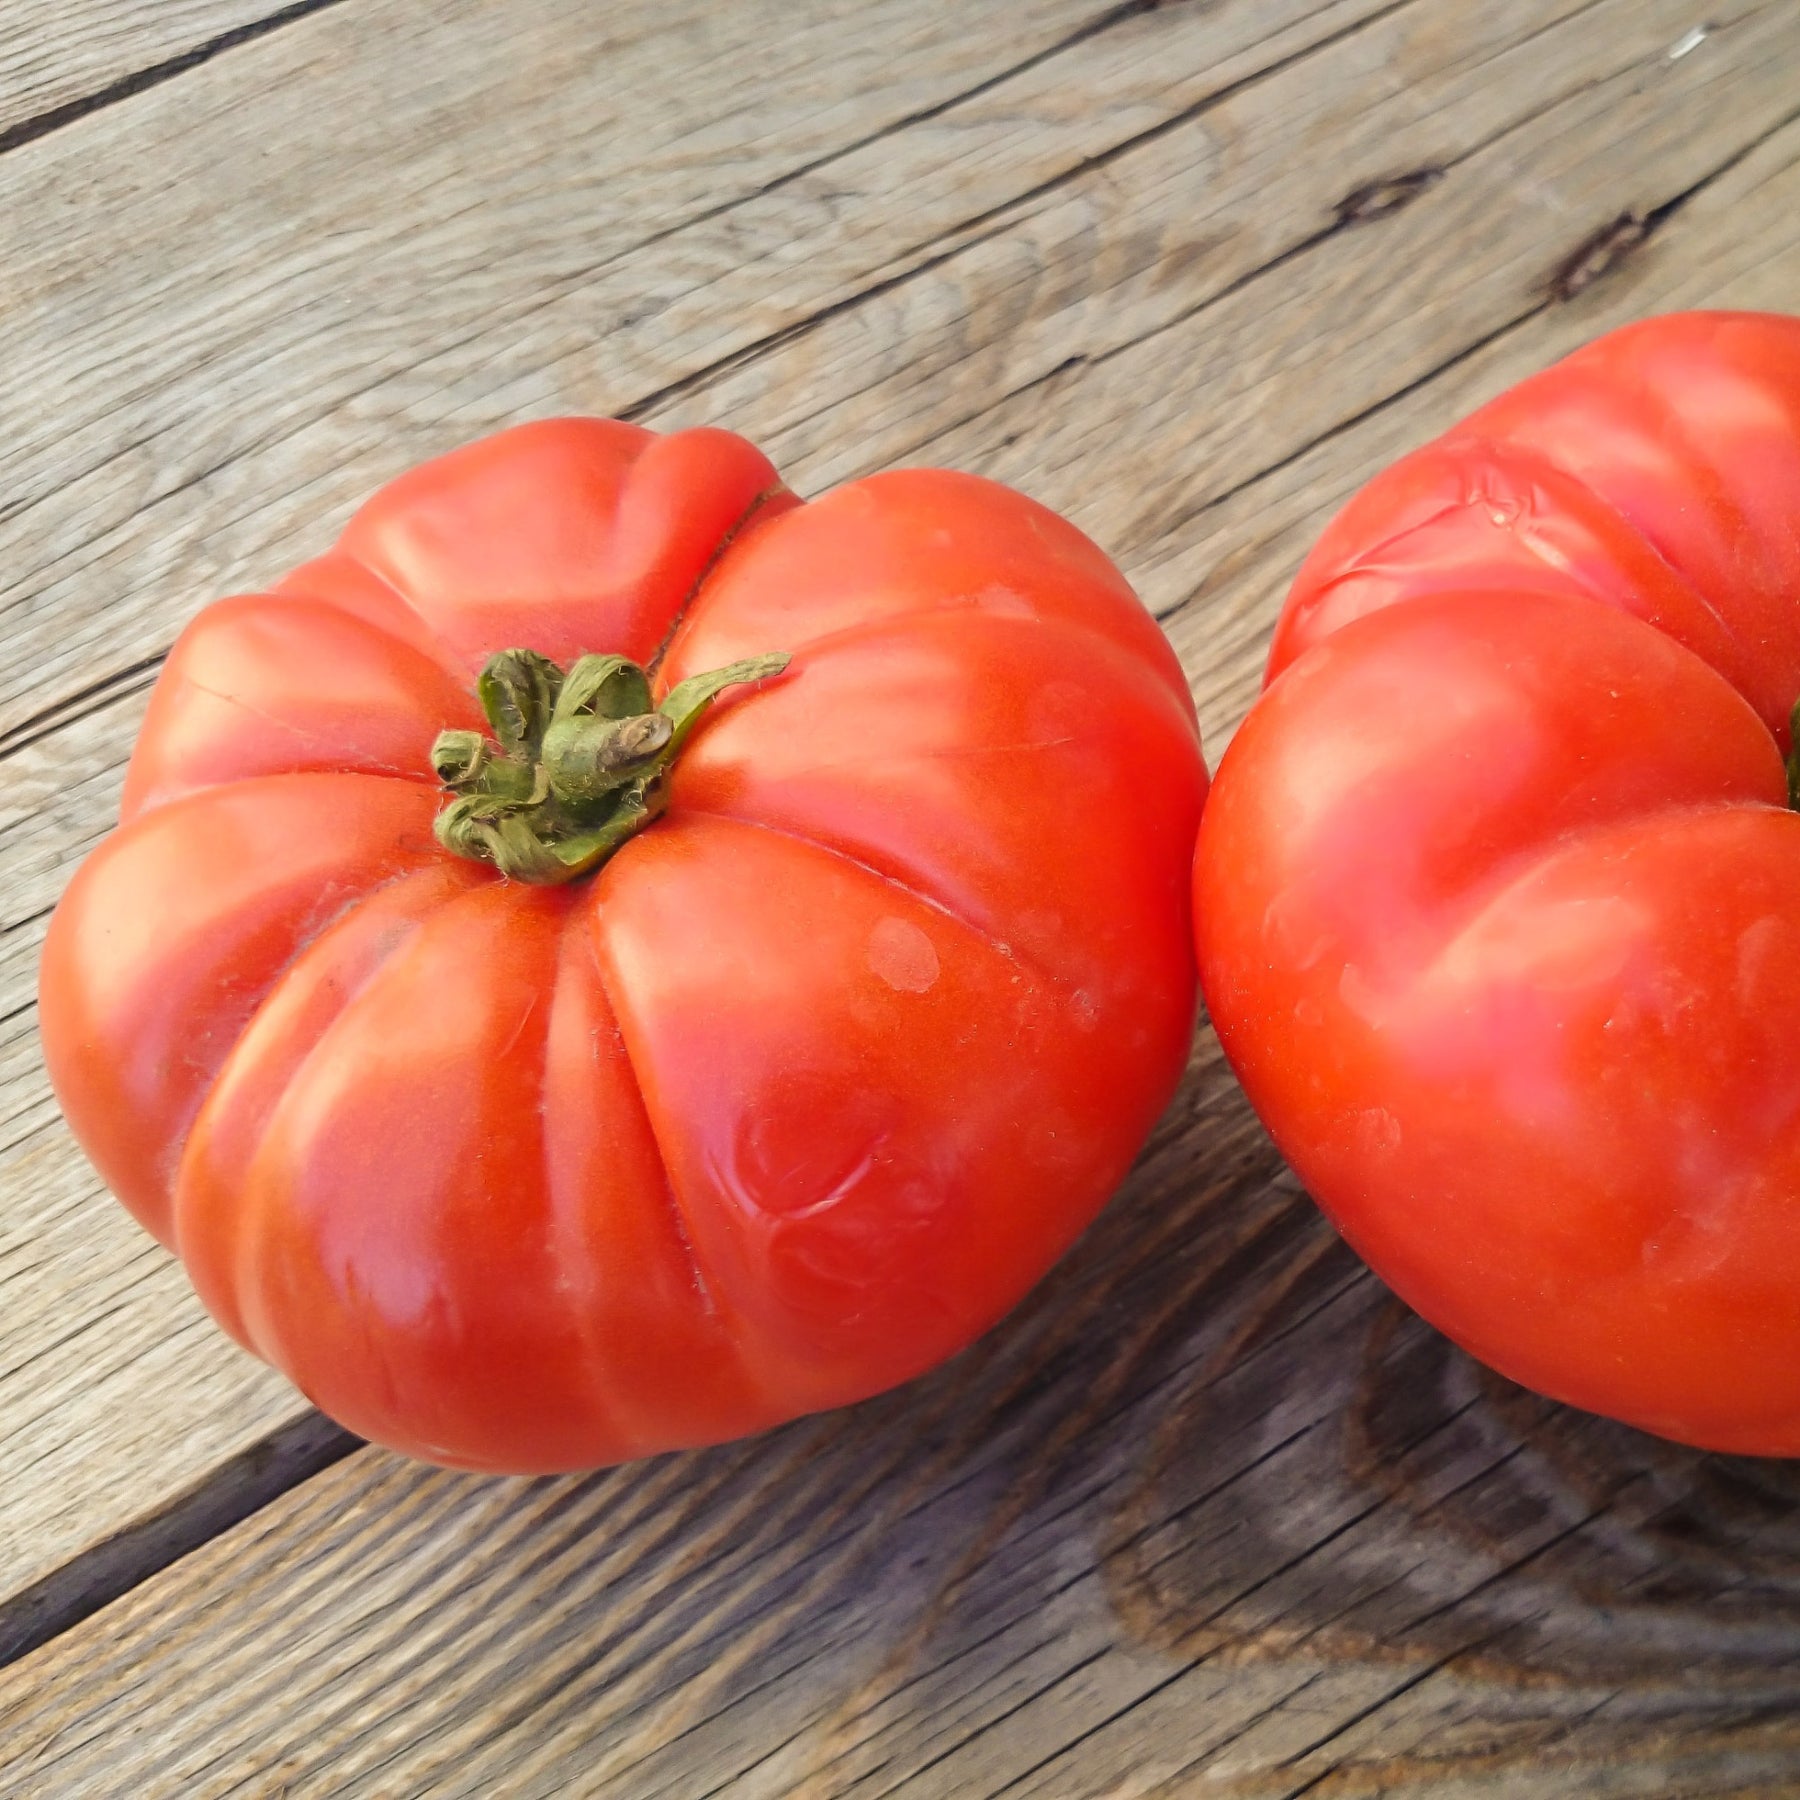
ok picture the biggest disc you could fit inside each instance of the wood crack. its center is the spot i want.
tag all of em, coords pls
(98, 1575)
(1597, 255)
(139, 81)
(997, 221)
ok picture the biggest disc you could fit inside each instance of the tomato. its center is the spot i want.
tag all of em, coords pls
(1498, 889)
(680, 1070)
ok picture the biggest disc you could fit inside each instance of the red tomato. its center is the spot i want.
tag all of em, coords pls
(1498, 890)
(780, 1104)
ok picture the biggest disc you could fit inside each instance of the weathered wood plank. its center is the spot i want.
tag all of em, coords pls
(61, 58)
(1208, 1514)
(447, 240)
(73, 1377)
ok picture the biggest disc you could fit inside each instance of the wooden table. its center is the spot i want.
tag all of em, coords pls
(1210, 1515)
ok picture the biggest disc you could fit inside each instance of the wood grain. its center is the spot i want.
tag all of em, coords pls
(60, 59)
(447, 241)
(1208, 1514)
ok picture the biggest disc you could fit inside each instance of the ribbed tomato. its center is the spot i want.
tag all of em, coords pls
(693, 1072)
(1498, 889)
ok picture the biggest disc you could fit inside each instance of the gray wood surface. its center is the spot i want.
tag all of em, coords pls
(1209, 1515)
(62, 58)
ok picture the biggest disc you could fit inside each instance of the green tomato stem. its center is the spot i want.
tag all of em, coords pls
(578, 762)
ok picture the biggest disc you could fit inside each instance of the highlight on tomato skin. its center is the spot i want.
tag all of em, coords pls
(610, 957)
(1497, 893)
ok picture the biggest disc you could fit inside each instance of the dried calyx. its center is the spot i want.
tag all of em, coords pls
(578, 762)
(1793, 758)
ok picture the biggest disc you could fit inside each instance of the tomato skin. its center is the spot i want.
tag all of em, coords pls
(1497, 894)
(790, 1100)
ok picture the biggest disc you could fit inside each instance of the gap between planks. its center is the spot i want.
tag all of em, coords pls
(63, 112)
